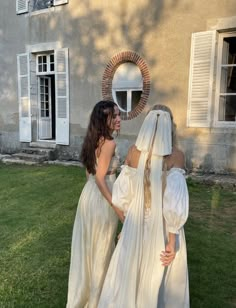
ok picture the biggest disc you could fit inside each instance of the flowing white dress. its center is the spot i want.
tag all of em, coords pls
(133, 286)
(93, 242)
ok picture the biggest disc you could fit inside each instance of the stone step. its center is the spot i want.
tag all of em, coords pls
(12, 160)
(43, 144)
(64, 163)
(4, 156)
(30, 157)
(49, 153)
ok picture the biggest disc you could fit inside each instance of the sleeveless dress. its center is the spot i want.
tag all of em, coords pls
(93, 242)
(132, 289)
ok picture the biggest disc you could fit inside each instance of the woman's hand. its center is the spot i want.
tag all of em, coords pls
(119, 213)
(118, 236)
(168, 255)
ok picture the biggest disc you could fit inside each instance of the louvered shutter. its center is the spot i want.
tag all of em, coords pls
(59, 2)
(22, 6)
(201, 79)
(62, 96)
(24, 97)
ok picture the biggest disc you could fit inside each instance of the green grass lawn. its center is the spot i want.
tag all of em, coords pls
(37, 210)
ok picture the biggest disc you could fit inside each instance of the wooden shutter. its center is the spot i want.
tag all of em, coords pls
(201, 79)
(59, 2)
(62, 96)
(24, 97)
(22, 6)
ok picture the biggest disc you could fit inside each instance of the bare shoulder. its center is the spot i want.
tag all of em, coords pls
(106, 147)
(132, 156)
(178, 153)
(132, 148)
(109, 145)
(179, 158)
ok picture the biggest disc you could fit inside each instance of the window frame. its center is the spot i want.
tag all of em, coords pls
(129, 91)
(48, 72)
(216, 122)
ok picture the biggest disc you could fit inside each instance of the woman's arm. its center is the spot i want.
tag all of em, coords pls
(106, 153)
(175, 206)
(168, 255)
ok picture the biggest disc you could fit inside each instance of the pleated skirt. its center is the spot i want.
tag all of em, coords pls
(93, 242)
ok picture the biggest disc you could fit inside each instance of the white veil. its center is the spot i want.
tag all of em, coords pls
(155, 139)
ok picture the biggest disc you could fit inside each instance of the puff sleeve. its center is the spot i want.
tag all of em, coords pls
(175, 200)
(122, 191)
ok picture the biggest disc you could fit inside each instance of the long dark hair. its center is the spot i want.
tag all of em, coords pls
(98, 129)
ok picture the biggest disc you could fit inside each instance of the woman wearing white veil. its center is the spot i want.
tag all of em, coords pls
(149, 265)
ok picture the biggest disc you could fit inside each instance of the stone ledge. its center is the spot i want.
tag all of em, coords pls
(63, 163)
(227, 181)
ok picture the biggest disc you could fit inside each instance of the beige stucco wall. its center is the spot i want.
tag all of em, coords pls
(94, 31)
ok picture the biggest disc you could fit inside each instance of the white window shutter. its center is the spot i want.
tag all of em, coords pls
(62, 96)
(59, 2)
(22, 6)
(24, 97)
(201, 79)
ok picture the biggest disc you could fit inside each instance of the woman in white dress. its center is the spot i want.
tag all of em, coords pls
(149, 265)
(96, 218)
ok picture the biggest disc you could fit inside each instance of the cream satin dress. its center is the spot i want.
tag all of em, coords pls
(133, 286)
(92, 243)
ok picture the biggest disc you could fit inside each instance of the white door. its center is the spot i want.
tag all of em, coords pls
(45, 108)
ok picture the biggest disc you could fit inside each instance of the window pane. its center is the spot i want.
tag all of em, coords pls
(228, 80)
(227, 108)
(52, 58)
(52, 67)
(121, 97)
(136, 95)
(42, 4)
(45, 67)
(40, 59)
(229, 50)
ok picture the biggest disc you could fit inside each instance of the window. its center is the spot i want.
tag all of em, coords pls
(127, 86)
(126, 80)
(42, 4)
(212, 80)
(24, 6)
(226, 80)
(45, 64)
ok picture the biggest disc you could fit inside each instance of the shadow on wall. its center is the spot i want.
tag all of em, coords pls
(207, 164)
(204, 158)
(94, 36)
(94, 32)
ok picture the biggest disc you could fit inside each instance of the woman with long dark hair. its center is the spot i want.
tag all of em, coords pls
(96, 218)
